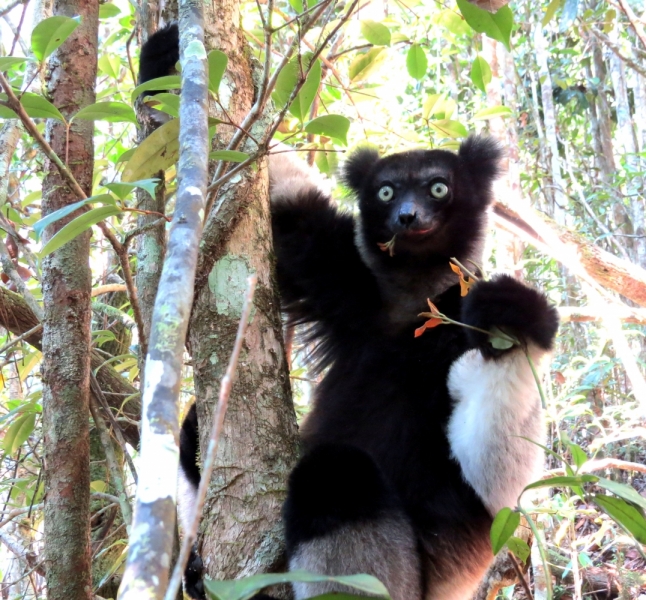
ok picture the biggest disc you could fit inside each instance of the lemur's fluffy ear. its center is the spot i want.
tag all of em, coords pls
(481, 156)
(357, 167)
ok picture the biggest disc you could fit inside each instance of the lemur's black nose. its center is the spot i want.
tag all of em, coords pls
(407, 216)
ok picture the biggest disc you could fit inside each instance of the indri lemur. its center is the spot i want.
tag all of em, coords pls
(413, 443)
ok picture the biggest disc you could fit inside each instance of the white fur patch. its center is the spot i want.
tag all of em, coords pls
(186, 499)
(290, 175)
(496, 402)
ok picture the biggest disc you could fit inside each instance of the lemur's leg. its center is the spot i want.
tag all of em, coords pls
(341, 518)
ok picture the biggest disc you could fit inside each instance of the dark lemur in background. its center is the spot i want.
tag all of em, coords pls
(413, 443)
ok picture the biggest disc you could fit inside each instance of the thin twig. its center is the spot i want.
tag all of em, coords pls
(214, 440)
(520, 576)
(7, 9)
(20, 338)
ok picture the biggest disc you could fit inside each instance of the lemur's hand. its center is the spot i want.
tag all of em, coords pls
(512, 307)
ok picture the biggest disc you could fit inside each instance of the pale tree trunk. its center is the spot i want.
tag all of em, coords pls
(557, 194)
(66, 333)
(241, 518)
(626, 143)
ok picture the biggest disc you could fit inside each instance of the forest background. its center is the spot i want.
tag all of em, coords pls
(84, 231)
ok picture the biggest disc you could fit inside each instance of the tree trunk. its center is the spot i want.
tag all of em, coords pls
(66, 333)
(241, 518)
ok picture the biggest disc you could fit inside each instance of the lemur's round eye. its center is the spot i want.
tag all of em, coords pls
(386, 193)
(439, 190)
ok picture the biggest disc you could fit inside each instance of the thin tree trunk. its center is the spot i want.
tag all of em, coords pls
(241, 518)
(549, 118)
(66, 332)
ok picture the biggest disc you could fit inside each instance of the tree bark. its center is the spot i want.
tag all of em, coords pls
(67, 311)
(259, 442)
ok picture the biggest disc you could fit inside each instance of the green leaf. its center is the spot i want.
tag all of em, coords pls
(623, 513)
(122, 189)
(125, 156)
(110, 65)
(57, 215)
(112, 112)
(578, 454)
(551, 10)
(157, 152)
(334, 126)
(168, 82)
(218, 61)
(496, 26)
(501, 340)
(503, 527)
(78, 226)
(6, 62)
(450, 128)
(168, 103)
(454, 23)
(563, 481)
(35, 106)
(243, 589)
(50, 33)
(492, 112)
(376, 33)
(416, 62)
(107, 10)
(480, 73)
(18, 433)
(623, 491)
(365, 64)
(98, 486)
(519, 548)
(327, 162)
(287, 80)
(229, 155)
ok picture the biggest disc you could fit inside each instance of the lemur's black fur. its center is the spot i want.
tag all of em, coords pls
(387, 484)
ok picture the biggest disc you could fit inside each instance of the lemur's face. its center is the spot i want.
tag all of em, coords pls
(425, 203)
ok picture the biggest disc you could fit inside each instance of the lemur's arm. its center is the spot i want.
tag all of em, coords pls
(321, 276)
(497, 401)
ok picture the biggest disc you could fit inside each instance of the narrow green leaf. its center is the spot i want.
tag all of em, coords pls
(50, 33)
(623, 491)
(78, 226)
(122, 189)
(563, 481)
(245, 588)
(519, 548)
(98, 486)
(503, 527)
(6, 62)
(301, 106)
(57, 215)
(334, 126)
(327, 162)
(218, 61)
(496, 26)
(480, 73)
(168, 82)
(492, 112)
(112, 112)
(125, 156)
(432, 102)
(229, 155)
(416, 62)
(168, 103)
(107, 10)
(376, 33)
(366, 63)
(157, 152)
(18, 433)
(501, 340)
(110, 65)
(450, 128)
(623, 513)
(551, 10)
(578, 454)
